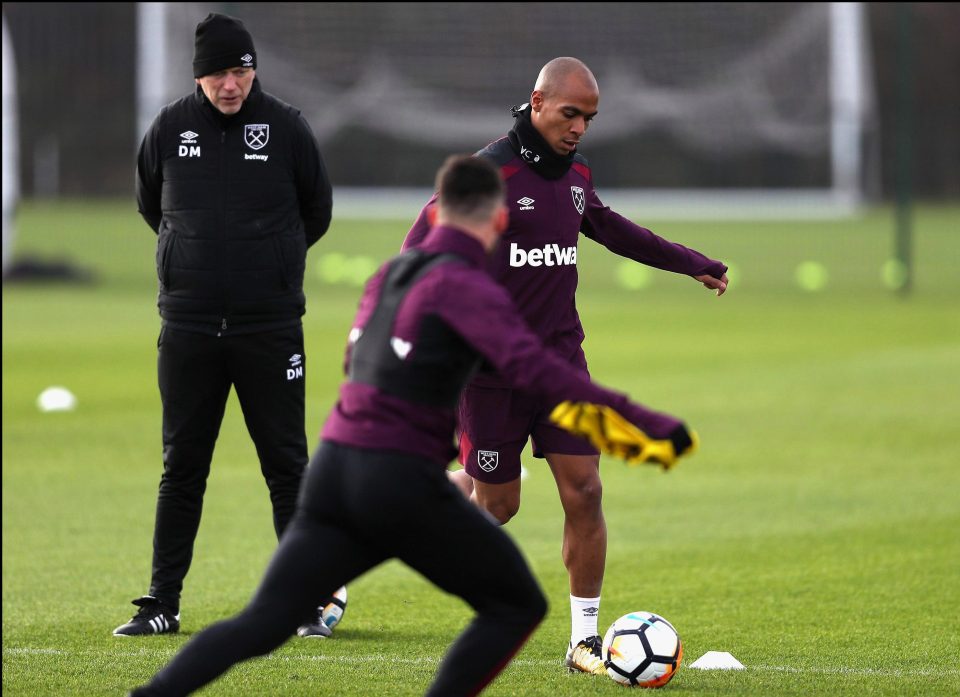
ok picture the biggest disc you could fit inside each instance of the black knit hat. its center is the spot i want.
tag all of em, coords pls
(221, 43)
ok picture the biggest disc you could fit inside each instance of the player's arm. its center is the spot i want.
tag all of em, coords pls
(421, 226)
(314, 192)
(713, 283)
(149, 177)
(626, 238)
(484, 315)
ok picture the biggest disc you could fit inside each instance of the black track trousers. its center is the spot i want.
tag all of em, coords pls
(195, 374)
(357, 509)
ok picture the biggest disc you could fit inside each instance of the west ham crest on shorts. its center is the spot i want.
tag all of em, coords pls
(256, 135)
(488, 460)
(578, 199)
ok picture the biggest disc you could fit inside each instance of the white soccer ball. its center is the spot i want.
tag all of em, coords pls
(642, 649)
(333, 611)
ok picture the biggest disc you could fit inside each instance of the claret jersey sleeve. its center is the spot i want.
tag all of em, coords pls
(420, 227)
(483, 314)
(626, 238)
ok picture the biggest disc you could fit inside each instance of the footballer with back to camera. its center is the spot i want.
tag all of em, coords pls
(377, 486)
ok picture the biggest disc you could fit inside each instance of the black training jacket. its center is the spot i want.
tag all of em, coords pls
(235, 201)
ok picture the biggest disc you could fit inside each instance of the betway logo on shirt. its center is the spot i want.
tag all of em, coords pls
(549, 255)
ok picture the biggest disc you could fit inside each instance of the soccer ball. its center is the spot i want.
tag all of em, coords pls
(333, 611)
(642, 650)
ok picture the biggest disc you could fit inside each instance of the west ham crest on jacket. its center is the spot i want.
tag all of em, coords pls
(256, 135)
(578, 200)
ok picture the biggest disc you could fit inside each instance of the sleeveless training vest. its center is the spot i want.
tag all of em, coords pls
(439, 363)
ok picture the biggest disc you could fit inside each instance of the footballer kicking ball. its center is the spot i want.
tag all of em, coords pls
(642, 650)
(333, 611)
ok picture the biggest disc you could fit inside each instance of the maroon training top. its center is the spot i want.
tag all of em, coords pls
(536, 260)
(482, 313)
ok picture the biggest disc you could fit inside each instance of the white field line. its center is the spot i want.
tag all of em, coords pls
(879, 672)
(540, 663)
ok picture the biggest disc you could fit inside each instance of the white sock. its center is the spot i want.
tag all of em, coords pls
(583, 615)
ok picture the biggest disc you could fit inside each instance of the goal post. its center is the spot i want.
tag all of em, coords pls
(11, 148)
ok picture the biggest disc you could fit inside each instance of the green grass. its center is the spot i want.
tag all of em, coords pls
(816, 536)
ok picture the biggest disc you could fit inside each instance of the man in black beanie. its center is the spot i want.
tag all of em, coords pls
(231, 180)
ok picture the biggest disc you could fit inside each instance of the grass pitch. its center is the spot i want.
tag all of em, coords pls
(814, 536)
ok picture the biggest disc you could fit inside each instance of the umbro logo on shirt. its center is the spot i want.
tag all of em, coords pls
(526, 203)
(188, 147)
(296, 367)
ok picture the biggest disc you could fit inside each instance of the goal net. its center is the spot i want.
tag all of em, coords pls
(703, 106)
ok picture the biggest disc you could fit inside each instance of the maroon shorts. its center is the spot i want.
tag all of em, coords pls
(495, 424)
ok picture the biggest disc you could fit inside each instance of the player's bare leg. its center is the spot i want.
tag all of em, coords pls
(584, 528)
(502, 501)
(584, 552)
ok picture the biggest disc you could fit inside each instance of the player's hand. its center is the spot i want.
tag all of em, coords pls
(717, 284)
(612, 434)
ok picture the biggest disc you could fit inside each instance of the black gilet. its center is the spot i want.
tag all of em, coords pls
(440, 362)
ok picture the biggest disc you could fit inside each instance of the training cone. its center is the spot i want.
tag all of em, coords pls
(717, 660)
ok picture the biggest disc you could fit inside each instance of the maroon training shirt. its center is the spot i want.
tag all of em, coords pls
(537, 256)
(482, 313)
